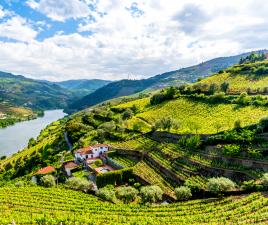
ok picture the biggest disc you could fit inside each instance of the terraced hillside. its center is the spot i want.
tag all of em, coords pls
(192, 116)
(32, 205)
(250, 77)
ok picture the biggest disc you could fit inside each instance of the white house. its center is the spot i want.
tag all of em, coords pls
(91, 152)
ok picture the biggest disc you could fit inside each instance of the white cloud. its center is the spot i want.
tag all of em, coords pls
(17, 28)
(60, 10)
(167, 35)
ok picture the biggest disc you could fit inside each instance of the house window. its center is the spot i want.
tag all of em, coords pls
(86, 156)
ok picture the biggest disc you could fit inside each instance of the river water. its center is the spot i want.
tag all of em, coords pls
(14, 138)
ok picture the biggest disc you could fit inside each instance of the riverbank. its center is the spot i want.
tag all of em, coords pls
(16, 137)
(9, 115)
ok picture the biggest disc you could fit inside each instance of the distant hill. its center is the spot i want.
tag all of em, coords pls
(83, 87)
(173, 78)
(21, 91)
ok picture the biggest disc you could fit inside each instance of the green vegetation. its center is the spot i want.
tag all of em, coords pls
(183, 193)
(10, 114)
(220, 184)
(250, 77)
(48, 181)
(39, 205)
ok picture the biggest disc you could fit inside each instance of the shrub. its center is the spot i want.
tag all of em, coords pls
(107, 194)
(194, 186)
(151, 194)
(249, 185)
(19, 184)
(127, 114)
(78, 183)
(183, 193)
(98, 162)
(126, 194)
(114, 178)
(231, 150)
(220, 184)
(264, 180)
(263, 123)
(48, 181)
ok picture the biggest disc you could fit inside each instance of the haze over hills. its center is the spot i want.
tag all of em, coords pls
(83, 86)
(172, 78)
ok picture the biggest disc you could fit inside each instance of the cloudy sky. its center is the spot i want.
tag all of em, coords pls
(114, 39)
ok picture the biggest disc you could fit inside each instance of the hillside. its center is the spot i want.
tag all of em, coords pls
(173, 78)
(10, 114)
(82, 87)
(249, 77)
(21, 91)
(210, 147)
(31, 205)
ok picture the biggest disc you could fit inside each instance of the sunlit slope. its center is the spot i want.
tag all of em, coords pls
(34, 205)
(252, 77)
(205, 118)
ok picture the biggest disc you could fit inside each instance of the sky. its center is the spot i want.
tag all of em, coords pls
(117, 39)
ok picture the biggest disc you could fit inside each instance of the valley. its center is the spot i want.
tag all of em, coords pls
(194, 153)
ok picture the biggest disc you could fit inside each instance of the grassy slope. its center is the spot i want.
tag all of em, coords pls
(11, 114)
(240, 80)
(206, 116)
(42, 206)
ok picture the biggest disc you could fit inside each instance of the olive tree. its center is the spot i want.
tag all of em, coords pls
(220, 184)
(183, 193)
(151, 194)
(126, 194)
(107, 194)
(78, 183)
(264, 180)
(48, 181)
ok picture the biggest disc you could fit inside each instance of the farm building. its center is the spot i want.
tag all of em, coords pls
(90, 152)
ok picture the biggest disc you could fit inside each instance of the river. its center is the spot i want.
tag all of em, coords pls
(15, 137)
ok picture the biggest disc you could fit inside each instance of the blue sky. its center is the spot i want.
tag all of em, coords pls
(115, 39)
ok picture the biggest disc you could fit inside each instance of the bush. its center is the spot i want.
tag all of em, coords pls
(48, 181)
(231, 150)
(126, 194)
(220, 184)
(107, 194)
(127, 114)
(249, 185)
(194, 187)
(264, 180)
(183, 193)
(114, 178)
(78, 183)
(191, 143)
(151, 194)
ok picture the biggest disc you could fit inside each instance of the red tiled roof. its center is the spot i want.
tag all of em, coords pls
(84, 151)
(88, 150)
(45, 170)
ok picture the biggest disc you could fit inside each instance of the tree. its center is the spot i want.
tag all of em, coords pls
(224, 87)
(217, 126)
(151, 194)
(127, 114)
(194, 186)
(183, 193)
(166, 123)
(237, 124)
(48, 181)
(107, 194)
(213, 88)
(263, 123)
(78, 183)
(220, 184)
(126, 194)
